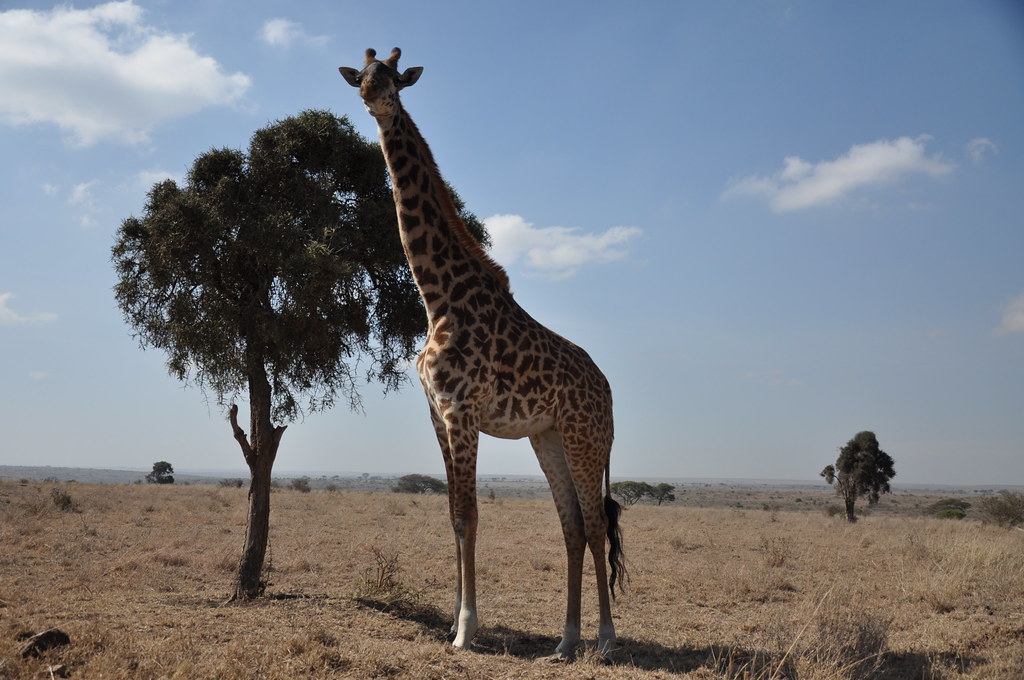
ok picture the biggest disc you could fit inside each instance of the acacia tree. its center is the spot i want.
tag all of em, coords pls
(629, 492)
(277, 273)
(863, 469)
(663, 493)
(419, 484)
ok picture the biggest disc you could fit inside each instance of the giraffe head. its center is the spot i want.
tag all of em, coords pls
(380, 81)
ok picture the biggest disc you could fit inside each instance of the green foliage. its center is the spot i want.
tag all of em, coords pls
(162, 473)
(949, 508)
(282, 263)
(863, 470)
(419, 484)
(1005, 509)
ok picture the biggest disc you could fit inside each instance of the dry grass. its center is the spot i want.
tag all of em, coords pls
(361, 587)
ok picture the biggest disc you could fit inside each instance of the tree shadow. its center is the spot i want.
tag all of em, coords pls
(426, 615)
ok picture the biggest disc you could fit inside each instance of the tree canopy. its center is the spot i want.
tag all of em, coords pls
(419, 484)
(630, 492)
(163, 473)
(863, 470)
(285, 258)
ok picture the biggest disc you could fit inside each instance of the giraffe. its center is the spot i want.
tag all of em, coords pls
(488, 366)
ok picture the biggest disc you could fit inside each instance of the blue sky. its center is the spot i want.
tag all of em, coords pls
(772, 224)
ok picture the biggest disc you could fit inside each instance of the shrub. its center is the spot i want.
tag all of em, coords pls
(1005, 510)
(231, 483)
(775, 551)
(300, 484)
(62, 499)
(380, 585)
(938, 507)
(950, 513)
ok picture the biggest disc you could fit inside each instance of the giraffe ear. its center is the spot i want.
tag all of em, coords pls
(350, 75)
(410, 76)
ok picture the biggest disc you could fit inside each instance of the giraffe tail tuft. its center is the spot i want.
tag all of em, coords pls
(615, 558)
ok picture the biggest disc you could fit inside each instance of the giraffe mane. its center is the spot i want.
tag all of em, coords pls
(451, 213)
(448, 209)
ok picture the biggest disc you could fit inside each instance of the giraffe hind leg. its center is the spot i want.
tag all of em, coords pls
(551, 456)
(588, 465)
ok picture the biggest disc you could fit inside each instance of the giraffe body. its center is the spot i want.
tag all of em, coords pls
(488, 366)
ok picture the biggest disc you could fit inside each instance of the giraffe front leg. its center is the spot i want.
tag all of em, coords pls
(460, 448)
(441, 430)
(466, 622)
(454, 631)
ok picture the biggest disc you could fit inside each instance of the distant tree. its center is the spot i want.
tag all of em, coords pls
(277, 273)
(663, 493)
(419, 484)
(629, 492)
(162, 473)
(863, 469)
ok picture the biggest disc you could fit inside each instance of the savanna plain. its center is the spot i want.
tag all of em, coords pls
(360, 585)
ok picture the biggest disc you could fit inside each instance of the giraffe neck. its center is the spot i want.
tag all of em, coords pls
(446, 261)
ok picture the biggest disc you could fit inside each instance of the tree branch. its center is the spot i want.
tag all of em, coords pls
(250, 455)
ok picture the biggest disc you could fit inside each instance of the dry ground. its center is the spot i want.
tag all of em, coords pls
(137, 575)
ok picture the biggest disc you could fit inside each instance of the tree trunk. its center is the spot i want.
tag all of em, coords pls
(850, 517)
(259, 456)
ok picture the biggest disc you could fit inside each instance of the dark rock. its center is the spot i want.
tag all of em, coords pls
(40, 642)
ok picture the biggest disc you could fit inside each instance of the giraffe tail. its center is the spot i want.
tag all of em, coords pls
(615, 558)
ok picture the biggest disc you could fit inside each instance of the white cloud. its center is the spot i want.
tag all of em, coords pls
(81, 194)
(555, 252)
(800, 184)
(9, 317)
(1013, 317)
(103, 74)
(39, 375)
(283, 32)
(978, 147)
(49, 189)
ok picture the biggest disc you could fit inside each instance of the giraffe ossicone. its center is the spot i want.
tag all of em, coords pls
(488, 366)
